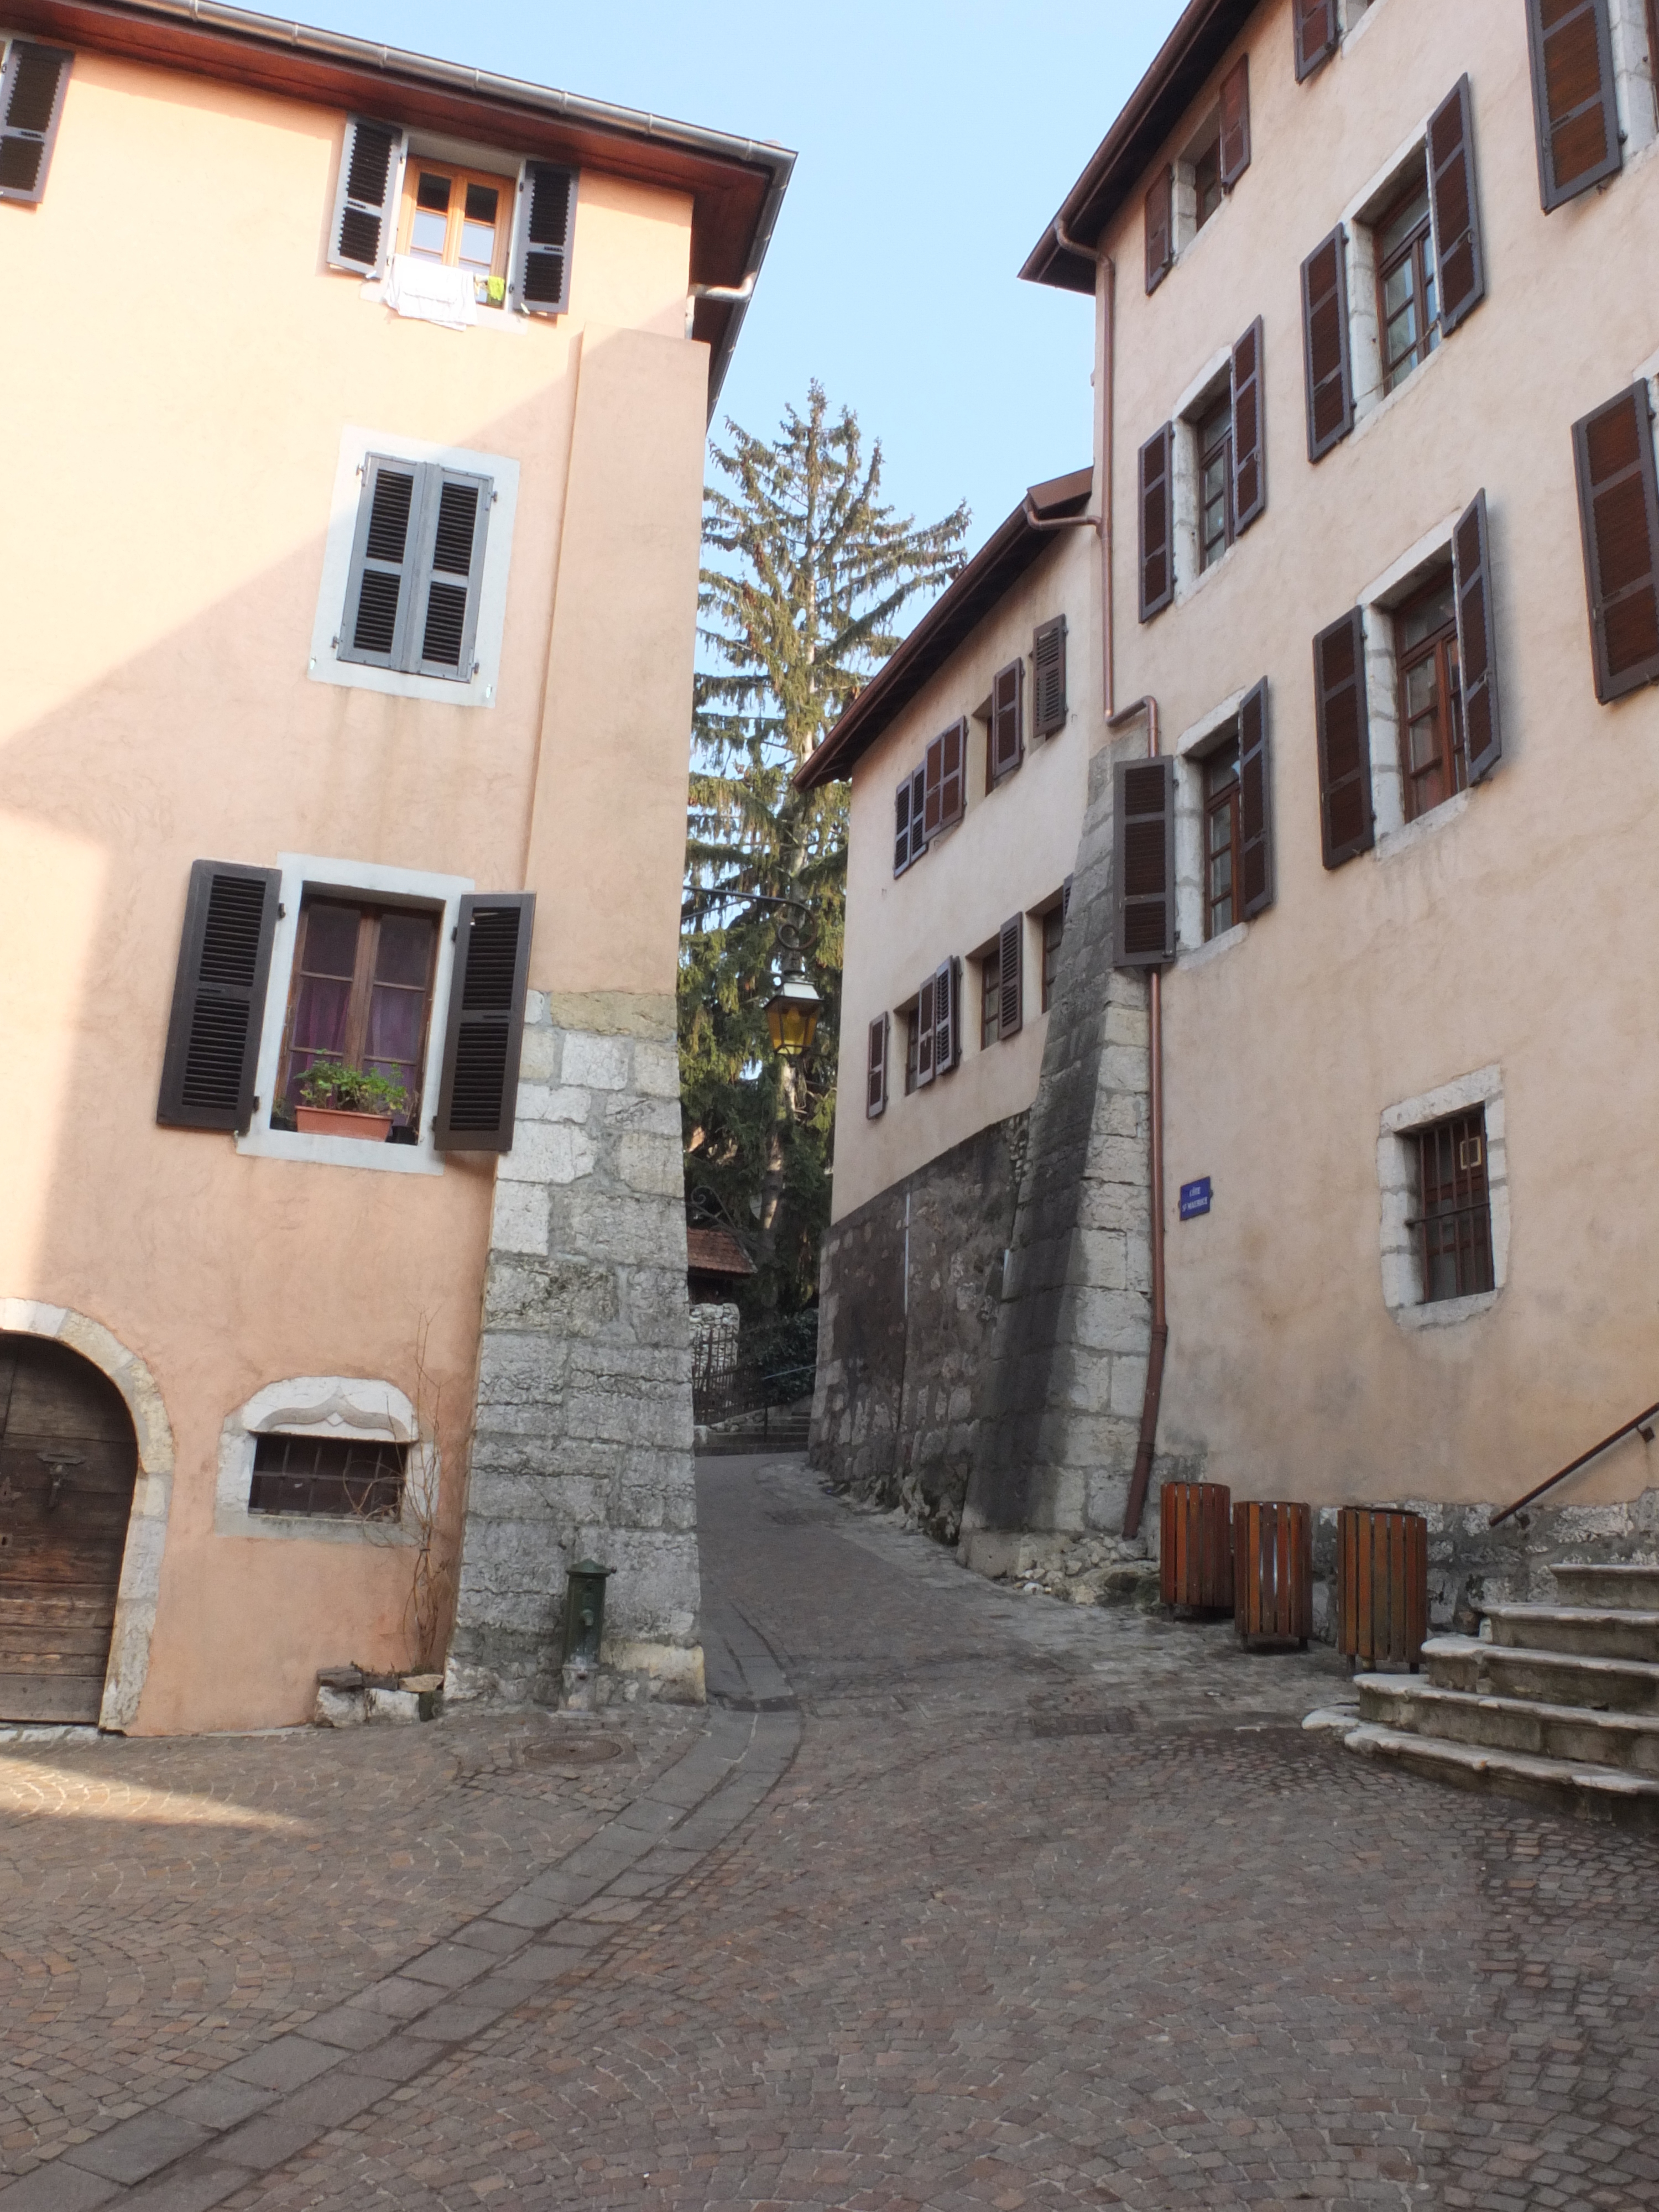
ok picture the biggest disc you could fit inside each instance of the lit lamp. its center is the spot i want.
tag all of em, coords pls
(791, 1014)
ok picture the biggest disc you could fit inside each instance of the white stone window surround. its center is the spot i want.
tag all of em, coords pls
(324, 665)
(322, 1406)
(304, 872)
(1205, 390)
(1184, 199)
(1633, 75)
(1396, 1176)
(1192, 749)
(488, 161)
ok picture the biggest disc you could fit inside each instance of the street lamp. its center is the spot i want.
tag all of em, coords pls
(792, 1013)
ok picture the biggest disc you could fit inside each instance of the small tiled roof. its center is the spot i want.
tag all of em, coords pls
(716, 1252)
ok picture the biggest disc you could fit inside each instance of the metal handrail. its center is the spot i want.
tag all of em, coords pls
(1642, 1423)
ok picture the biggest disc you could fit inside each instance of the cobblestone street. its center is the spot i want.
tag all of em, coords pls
(957, 1897)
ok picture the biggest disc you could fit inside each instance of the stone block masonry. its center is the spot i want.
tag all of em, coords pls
(582, 1443)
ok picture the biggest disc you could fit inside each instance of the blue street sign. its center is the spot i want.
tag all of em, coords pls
(1195, 1198)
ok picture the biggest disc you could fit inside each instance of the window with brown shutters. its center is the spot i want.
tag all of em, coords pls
(1255, 805)
(1235, 157)
(1316, 32)
(1143, 856)
(1010, 977)
(218, 997)
(1006, 738)
(1433, 764)
(1618, 513)
(1250, 445)
(1345, 816)
(1156, 537)
(1160, 228)
(32, 88)
(875, 1093)
(1477, 643)
(1575, 103)
(910, 815)
(943, 780)
(1460, 264)
(1326, 357)
(478, 1088)
(1048, 707)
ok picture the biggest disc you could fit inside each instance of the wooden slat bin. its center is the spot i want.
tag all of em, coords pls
(1382, 1586)
(1195, 1546)
(1273, 1570)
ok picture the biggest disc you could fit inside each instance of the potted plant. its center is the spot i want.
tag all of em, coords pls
(336, 1100)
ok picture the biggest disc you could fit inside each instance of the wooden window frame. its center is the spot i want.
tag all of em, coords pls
(1213, 439)
(1419, 252)
(1441, 648)
(373, 909)
(1223, 800)
(1453, 1221)
(459, 179)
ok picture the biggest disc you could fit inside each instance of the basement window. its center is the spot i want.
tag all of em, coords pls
(1454, 1216)
(347, 1478)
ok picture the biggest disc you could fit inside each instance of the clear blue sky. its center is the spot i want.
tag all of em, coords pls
(936, 139)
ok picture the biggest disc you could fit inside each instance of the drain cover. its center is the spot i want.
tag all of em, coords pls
(578, 1751)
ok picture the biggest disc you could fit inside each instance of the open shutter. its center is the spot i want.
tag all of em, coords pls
(1255, 804)
(1143, 873)
(945, 1005)
(218, 997)
(1048, 708)
(1235, 123)
(1250, 445)
(541, 257)
(1010, 976)
(1618, 510)
(1325, 343)
(1574, 111)
(924, 1033)
(479, 1086)
(876, 1086)
(932, 774)
(1477, 649)
(30, 107)
(1007, 695)
(952, 774)
(901, 827)
(1160, 228)
(1457, 211)
(1344, 740)
(1316, 34)
(1157, 549)
(359, 237)
(454, 523)
(918, 811)
(380, 586)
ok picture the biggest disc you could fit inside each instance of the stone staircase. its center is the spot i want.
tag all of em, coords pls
(1561, 1707)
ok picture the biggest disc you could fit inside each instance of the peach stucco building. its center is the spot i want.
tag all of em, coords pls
(347, 654)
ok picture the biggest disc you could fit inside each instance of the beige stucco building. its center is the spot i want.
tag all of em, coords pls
(348, 664)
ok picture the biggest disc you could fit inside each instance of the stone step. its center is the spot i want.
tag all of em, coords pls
(1576, 1733)
(1625, 1587)
(1554, 1678)
(1602, 1632)
(1589, 1792)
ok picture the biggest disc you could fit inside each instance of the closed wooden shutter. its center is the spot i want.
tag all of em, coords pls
(952, 774)
(541, 265)
(416, 568)
(1143, 873)
(1255, 804)
(1048, 707)
(32, 88)
(1160, 229)
(1325, 343)
(1458, 251)
(1250, 442)
(1619, 511)
(1007, 738)
(380, 593)
(1477, 649)
(478, 1088)
(1316, 34)
(1010, 976)
(918, 813)
(1575, 111)
(924, 1033)
(455, 524)
(219, 997)
(901, 827)
(1157, 547)
(876, 1085)
(360, 235)
(946, 997)
(1344, 740)
(1235, 123)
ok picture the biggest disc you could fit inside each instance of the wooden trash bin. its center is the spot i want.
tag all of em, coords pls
(1382, 1586)
(1272, 1570)
(1195, 1546)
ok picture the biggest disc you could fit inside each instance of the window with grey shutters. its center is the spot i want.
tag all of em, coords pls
(875, 1100)
(541, 260)
(32, 88)
(1574, 104)
(478, 1087)
(947, 1015)
(924, 1033)
(1010, 976)
(360, 235)
(1048, 707)
(1143, 870)
(909, 819)
(416, 568)
(218, 997)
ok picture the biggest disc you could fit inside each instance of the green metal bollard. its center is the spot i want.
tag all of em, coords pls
(584, 1613)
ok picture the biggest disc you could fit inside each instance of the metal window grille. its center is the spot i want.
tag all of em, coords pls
(351, 1478)
(1454, 1226)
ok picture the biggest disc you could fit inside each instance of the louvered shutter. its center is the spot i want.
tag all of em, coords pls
(1477, 647)
(1007, 697)
(1344, 740)
(952, 774)
(1575, 114)
(932, 774)
(1156, 550)
(924, 1033)
(1010, 977)
(1255, 804)
(1143, 874)
(918, 810)
(901, 827)
(1325, 343)
(541, 258)
(360, 235)
(1235, 157)
(1316, 34)
(876, 1086)
(1160, 229)
(1048, 708)
(32, 88)
(219, 997)
(1618, 512)
(1249, 444)
(380, 588)
(477, 1091)
(454, 524)
(946, 999)
(1457, 250)
(1064, 902)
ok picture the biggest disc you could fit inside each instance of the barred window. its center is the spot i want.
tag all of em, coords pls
(1454, 1222)
(351, 1478)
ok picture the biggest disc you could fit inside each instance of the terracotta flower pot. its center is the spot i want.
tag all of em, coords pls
(335, 1121)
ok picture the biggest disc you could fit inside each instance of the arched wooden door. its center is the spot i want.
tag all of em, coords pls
(67, 1463)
